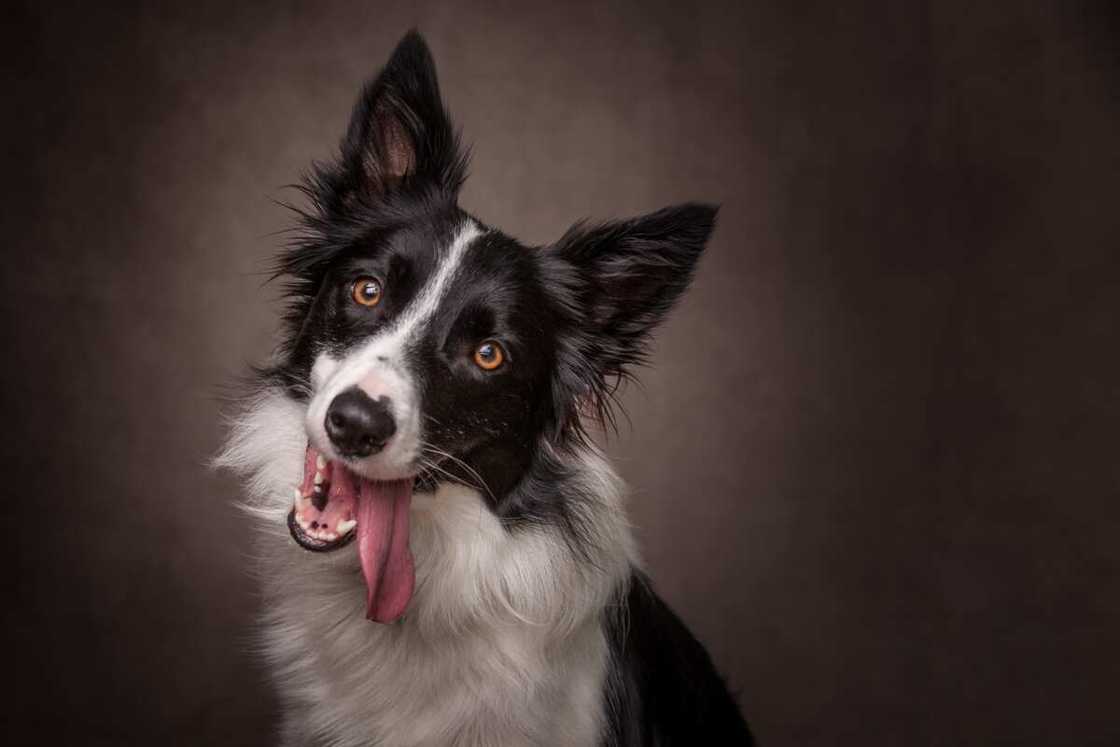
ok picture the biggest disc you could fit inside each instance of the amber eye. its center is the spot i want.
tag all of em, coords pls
(489, 355)
(366, 291)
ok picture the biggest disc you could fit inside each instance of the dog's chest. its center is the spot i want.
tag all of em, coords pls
(463, 667)
(478, 689)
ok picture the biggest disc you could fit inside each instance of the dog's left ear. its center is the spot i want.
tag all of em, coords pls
(628, 274)
(400, 135)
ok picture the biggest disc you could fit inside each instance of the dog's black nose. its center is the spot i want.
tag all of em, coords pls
(359, 425)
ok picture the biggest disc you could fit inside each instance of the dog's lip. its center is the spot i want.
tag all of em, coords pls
(359, 470)
(307, 542)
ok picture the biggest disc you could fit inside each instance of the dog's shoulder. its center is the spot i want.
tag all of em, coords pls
(664, 688)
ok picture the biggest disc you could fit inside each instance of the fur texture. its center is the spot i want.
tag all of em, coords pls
(530, 622)
(503, 643)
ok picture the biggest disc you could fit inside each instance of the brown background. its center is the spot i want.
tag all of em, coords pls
(874, 465)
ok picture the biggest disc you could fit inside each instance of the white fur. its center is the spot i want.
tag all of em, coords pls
(502, 643)
(379, 367)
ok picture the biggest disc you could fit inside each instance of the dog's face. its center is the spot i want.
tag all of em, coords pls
(428, 346)
(431, 351)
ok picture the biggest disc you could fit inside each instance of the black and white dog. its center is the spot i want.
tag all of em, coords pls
(422, 432)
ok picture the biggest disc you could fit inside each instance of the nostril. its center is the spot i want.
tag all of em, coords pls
(358, 425)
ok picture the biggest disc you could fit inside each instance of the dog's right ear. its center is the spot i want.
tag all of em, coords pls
(616, 284)
(400, 136)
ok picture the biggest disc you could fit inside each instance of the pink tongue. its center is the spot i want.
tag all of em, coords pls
(383, 547)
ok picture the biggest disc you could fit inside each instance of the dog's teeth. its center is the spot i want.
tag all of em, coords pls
(318, 478)
(320, 462)
(346, 526)
(303, 524)
(330, 536)
(297, 492)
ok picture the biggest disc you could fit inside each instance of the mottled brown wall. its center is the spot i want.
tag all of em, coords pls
(874, 465)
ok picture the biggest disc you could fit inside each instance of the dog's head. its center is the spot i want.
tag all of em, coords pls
(428, 346)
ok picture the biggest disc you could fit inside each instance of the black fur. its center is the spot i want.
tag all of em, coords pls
(574, 319)
(663, 686)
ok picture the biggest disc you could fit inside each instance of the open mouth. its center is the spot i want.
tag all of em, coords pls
(320, 521)
(333, 506)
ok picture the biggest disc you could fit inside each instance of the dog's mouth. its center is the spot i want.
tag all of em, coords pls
(333, 506)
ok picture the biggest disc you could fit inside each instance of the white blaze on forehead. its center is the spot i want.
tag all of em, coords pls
(379, 367)
(390, 344)
(428, 300)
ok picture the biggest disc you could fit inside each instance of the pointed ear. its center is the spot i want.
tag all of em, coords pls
(400, 135)
(628, 274)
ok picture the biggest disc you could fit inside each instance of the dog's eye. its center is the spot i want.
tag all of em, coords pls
(366, 291)
(489, 355)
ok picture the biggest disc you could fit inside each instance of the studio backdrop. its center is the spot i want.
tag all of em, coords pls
(872, 465)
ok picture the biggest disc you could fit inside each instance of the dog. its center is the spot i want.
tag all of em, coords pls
(443, 549)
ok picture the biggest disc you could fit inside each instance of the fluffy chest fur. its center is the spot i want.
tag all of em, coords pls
(503, 643)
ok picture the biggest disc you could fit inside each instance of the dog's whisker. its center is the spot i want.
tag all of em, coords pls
(430, 465)
(472, 472)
